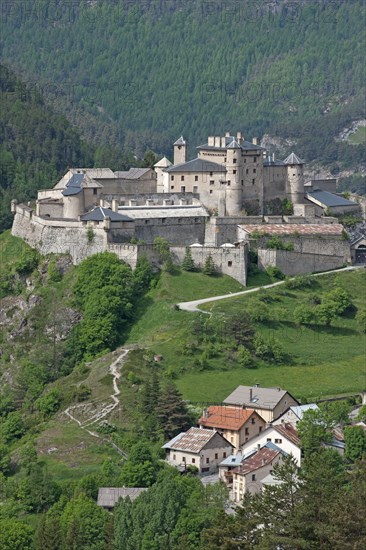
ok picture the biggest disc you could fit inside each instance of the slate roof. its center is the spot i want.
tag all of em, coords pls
(270, 162)
(194, 440)
(163, 163)
(198, 166)
(328, 199)
(226, 418)
(233, 145)
(99, 214)
(73, 186)
(244, 146)
(180, 141)
(265, 398)
(132, 173)
(293, 159)
(109, 496)
(300, 409)
(291, 228)
(260, 458)
(289, 432)
(161, 211)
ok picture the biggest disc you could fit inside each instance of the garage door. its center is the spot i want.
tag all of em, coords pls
(361, 254)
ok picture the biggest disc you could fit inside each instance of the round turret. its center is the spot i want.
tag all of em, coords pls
(295, 179)
(234, 193)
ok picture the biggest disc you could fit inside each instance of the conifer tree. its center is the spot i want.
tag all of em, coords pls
(172, 412)
(188, 263)
(209, 267)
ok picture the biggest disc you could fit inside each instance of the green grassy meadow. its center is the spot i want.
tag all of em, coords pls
(359, 137)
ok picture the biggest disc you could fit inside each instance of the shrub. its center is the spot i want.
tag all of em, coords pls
(90, 234)
(53, 274)
(27, 262)
(274, 272)
(300, 281)
(258, 311)
(339, 299)
(245, 358)
(303, 315)
(275, 243)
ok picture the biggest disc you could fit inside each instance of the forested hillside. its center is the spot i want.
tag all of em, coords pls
(154, 70)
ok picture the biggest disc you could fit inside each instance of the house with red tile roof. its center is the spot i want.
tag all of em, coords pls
(237, 424)
(253, 468)
(198, 447)
(284, 436)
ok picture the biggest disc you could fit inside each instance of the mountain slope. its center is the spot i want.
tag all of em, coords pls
(159, 69)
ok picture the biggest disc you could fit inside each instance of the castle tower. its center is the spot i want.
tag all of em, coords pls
(180, 151)
(161, 185)
(234, 168)
(295, 179)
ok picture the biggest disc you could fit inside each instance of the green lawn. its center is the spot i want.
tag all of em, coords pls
(359, 137)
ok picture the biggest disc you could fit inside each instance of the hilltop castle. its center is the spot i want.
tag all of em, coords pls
(210, 203)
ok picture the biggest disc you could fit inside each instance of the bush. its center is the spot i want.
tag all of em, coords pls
(258, 312)
(245, 358)
(53, 274)
(339, 299)
(275, 273)
(303, 315)
(27, 262)
(275, 243)
(300, 281)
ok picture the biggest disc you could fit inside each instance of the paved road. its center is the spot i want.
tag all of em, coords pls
(193, 306)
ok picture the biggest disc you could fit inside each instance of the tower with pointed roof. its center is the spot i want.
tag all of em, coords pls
(180, 151)
(295, 178)
(234, 168)
(162, 179)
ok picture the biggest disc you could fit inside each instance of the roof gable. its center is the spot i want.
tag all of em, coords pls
(256, 397)
(195, 439)
(197, 165)
(230, 418)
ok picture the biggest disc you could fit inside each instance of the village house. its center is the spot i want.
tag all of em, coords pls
(284, 436)
(294, 414)
(236, 424)
(198, 447)
(247, 477)
(269, 403)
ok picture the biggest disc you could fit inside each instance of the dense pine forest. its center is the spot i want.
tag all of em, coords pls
(140, 73)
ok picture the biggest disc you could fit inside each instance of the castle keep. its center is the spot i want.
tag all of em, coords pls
(207, 203)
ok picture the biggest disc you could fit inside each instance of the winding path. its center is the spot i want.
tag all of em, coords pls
(114, 370)
(193, 305)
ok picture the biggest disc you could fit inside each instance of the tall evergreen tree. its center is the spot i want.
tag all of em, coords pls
(188, 263)
(172, 413)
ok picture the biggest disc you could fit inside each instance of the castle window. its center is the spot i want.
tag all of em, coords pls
(229, 264)
(224, 455)
(255, 159)
(183, 189)
(253, 181)
(147, 221)
(242, 182)
(212, 182)
(234, 161)
(211, 191)
(172, 187)
(163, 220)
(245, 161)
(95, 191)
(254, 171)
(195, 178)
(196, 220)
(211, 173)
(253, 477)
(182, 178)
(216, 456)
(172, 178)
(195, 189)
(247, 171)
(207, 460)
(193, 460)
(234, 171)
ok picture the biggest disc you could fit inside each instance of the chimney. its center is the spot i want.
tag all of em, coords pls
(250, 394)
(114, 205)
(258, 446)
(238, 136)
(273, 157)
(101, 203)
(255, 141)
(211, 141)
(227, 134)
(217, 141)
(223, 142)
(263, 461)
